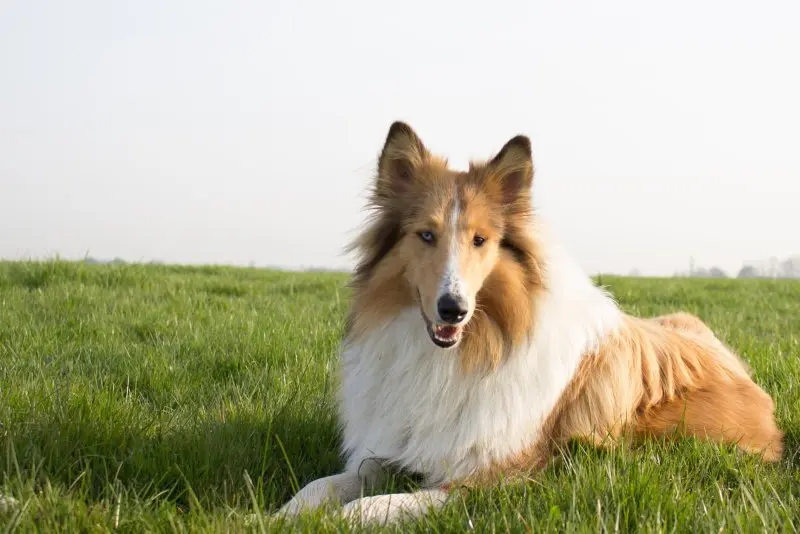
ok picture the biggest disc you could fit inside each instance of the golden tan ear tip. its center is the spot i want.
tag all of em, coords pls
(400, 128)
(520, 144)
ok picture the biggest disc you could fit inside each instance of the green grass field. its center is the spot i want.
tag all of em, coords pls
(152, 398)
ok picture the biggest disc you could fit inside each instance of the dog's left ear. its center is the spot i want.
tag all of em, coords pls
(512, 168)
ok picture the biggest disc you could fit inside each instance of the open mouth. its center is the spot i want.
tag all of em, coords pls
(445, 336)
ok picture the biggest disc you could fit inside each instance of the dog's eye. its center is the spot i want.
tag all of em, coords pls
(426, 236)
(478, 241)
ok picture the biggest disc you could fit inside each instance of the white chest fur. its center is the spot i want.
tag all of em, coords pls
(407, 401)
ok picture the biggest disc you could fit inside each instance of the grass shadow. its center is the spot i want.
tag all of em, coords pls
(197, 464)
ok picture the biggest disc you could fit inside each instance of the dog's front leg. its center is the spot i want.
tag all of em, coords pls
(343, 487)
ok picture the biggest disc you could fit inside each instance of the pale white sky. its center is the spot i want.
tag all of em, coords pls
(231, 132)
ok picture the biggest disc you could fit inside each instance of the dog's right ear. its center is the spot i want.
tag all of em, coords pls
(402, 157)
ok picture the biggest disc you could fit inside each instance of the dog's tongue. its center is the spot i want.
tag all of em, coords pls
(446, 332)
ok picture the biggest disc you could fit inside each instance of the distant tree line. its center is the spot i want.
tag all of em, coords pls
(771, 268)
(95, 261)
(713, 272)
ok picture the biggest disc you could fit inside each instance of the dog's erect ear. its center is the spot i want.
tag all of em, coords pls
(402, 156)
(512, 168)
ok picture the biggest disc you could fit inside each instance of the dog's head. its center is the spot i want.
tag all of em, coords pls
(449, 235)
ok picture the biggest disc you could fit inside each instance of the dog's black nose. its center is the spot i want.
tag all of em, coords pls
(451, 309)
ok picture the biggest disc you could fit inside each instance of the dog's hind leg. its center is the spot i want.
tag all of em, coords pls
(738, 412)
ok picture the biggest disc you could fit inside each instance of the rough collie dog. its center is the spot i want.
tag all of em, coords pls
(474, 345)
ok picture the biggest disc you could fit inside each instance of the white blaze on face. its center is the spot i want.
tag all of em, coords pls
(452, 282)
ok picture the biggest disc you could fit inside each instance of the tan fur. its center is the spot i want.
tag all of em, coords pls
(503, 317)
(684, 321)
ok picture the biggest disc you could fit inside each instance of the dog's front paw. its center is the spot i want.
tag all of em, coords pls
(297, 504)
(291, 509)
(335, 488)
(378, 509)
(312, 496)
(386, 509)
(286, 512)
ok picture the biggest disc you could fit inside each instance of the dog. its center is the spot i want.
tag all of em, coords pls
(475, 345)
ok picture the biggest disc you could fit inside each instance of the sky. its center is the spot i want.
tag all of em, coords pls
(247, 132)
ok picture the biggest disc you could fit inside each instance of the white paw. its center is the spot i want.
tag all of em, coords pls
(293, 508)
(378, 509)
(335, 488)
(312, 496)
(385, 509)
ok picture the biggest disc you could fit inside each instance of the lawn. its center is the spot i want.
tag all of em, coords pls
(157, 398)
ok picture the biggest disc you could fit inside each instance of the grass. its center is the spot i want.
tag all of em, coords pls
(154, 398)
